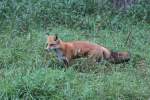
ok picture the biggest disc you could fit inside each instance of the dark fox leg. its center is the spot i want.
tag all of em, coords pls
(61, 57)
(66, 63)
(95, 57)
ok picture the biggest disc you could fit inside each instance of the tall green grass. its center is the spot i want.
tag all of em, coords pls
(22, 16)
(28, 72)
(25, 74)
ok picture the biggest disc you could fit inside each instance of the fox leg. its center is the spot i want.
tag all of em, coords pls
(61, 57)
(93, 56)
(66, 62)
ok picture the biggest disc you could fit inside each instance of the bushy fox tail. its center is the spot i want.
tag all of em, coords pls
(119, 57)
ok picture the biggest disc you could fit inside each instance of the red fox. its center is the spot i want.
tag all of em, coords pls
(67, 51)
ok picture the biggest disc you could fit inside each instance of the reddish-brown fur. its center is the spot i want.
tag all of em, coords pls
(76, 49)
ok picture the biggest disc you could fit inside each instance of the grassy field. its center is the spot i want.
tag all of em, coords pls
(26, 74)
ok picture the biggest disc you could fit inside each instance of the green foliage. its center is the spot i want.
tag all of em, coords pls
(25, 74)
(28, 72)
(24, 15)
(141, 11)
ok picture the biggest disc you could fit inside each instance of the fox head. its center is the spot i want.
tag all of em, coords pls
(53, 43)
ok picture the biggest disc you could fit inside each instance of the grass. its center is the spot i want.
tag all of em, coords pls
(25, 75)
(28, 72)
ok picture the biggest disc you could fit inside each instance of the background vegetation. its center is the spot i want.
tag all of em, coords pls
(27, 72)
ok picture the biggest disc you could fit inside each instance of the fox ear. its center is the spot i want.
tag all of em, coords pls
(56, 37)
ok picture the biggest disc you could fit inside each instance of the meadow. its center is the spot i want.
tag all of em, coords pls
(28, 72)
